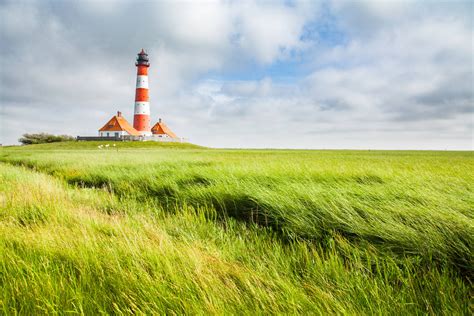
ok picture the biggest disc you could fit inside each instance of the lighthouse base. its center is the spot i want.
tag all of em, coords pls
(133, 138)
(145, 133)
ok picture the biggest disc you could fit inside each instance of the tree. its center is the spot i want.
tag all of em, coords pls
(41, 138)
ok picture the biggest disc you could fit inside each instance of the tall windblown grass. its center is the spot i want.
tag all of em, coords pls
(217, 231)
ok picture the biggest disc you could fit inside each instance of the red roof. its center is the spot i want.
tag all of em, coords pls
(161, 128)
(119, 123)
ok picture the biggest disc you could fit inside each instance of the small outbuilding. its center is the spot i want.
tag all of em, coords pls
(160, 129)
(118, 126)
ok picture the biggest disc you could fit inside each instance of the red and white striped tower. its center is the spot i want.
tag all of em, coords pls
(141, 118)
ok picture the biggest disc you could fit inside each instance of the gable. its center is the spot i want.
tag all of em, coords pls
(160, 128)
(118, 124)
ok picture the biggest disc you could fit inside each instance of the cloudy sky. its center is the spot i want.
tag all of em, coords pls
(290, 74)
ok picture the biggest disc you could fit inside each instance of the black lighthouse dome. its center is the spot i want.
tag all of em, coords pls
(142, 59)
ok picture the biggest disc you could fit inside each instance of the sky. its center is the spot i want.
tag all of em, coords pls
(245, 74)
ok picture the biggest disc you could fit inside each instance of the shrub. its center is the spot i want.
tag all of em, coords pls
(41, 138)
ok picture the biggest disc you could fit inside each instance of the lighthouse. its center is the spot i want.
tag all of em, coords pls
(141, 117)
(119, 128)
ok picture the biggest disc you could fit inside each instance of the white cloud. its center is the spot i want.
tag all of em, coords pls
(267, 32)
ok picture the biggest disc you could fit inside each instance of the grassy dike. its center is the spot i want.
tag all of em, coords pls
(175, 228)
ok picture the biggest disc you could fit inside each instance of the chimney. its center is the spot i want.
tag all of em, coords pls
(159, 120)
(119, 114)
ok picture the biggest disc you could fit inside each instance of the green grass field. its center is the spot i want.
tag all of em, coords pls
(177, 228)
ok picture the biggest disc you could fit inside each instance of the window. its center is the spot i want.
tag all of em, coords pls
(107, 134)
(116, 134)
